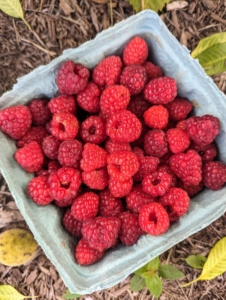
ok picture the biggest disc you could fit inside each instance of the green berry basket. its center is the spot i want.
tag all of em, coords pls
(45, 222)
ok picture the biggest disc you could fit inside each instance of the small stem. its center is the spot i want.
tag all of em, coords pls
(26, 23)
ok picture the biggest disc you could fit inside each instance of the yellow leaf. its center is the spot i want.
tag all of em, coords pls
(7, 292)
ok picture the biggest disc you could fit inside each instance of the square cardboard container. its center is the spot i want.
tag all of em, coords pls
(45, 222)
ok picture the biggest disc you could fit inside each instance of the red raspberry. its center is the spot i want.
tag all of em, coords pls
(140, 141)
(134, 77)
(122, 165)
(70, 153)
(155, 143)
(93, 157)
(50, 146)
(72, 78)
(192, 190)
(214, 175)
(48, 168)
(179, 108)
(15, 121)
(139, 152)
(30, 157)
(181, 124)
(123, 127)
(130, 229)
(176, 202)
(156, 117)
(107, 72)
(187, 166)
(165, 168)
(34, 134)
(138, 105)
(40, 111)
(88, 98)
(96, 179)
(135, 52)
(38, 190)
(152, 71)
(67, 202)
(137, 198)
(112, 146)
(161, 90)
(178, 140)
(85, 207)
(114, 98)
(109, 206)
(120, 189)
(93, 130)
(85, 255)
(64, 126)
(154, 219)
(61, 104)
(72, 225)
(208, 153)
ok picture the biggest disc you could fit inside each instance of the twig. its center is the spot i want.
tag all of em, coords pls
(168, 257)
(111, 13)
(217, 18)
(51, 53)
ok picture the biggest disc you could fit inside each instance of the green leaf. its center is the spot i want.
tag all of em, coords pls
(156, 5)
(141, 270)
(68, 295)
(137, 283)
(196, 261)
(211, 53)
(153, 264)
(136, 5)
(154, 284)
(170, 272)
(7, 292)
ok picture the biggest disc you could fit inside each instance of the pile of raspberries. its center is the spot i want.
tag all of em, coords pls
(117, 148)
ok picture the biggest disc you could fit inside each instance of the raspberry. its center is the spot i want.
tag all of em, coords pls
(123, 127)
(112, 146)
(140, 141)
(30, 157)
(137, 198)
(96, 179)
(50, 146)
(107, 72)
(187, 166)
(70, 153)
(109, 206)
(192, 190)
(178, 140)
(114, 98)
(165, 168)
(152, 71)
(64, 126)
(15, 121)
(101, 233)
(135, 51)
(156, 117)
(88, 98)
(93, 157)
(120, 189)
(161, 90)
(34, 134)
(48, 168)
(38, 190)
(85, 207)
(122, 165)
(179, 108)
(72, 225)
(181, 124)
(61, 104)
(208, 153)
(214, 175)
(154, 219)
(93, 130)
(72, 78)
(40, 111)
(130, 229)
(155, 143)
(138, 105)
(85, 255)
(134, 77)
(176, 202)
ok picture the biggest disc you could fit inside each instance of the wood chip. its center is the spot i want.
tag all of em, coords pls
(176, 5)
(66, 6)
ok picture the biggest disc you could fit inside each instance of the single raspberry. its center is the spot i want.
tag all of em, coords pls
(101, 233)
(109, 206)
(72, 78)
(85, 255)
(138, 105)
(134, 77)
(85, 207)
(93, 130)
(122, 165)
(50, 146)
(62, 103)
(89, 98)
(156, 117)
(178, 140)
(214, 175)
(130, 229)
(179, 108)
(34, 134)
(208, 153)
(215, 122)
(72, 225)
(154, 219)
(48, 168)
(181, 124)
(96, 179)
(165, 168)
(120, 189)
(108, 71)
(30, 157)
(192, 190)
(137, 198)
(112, 146)
(67, 202)
(135, 51)
(70, 153)
(40, 111)
(152, 71)
(155, 143)
(15, 121)
(187, 166)
(140, 141)
(161, 90)
(93, 157)
(64, 126)
(38, 190)
(139, 152)
(123, 127)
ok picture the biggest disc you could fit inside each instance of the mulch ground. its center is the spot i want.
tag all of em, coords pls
(58, 25)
